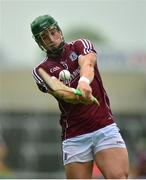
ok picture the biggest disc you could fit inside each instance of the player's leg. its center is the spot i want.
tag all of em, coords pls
(113, 163)
(77, 170)
(110, 152)
(78, 157)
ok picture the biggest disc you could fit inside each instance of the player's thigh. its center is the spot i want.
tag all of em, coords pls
(79, 170)
(113, 162)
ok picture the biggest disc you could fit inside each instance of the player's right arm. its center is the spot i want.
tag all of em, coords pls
(43, 87)
(65, 95)
(39, 81)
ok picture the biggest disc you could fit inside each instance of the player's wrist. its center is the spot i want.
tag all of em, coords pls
(84, 79)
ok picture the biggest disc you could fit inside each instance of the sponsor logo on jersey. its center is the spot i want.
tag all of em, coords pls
(73, 56)
(53, 69)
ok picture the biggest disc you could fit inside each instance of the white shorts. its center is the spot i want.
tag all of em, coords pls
(82, 148)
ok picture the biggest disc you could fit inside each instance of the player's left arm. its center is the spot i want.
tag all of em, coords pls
(86, 63)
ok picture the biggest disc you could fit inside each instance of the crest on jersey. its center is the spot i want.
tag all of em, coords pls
(64, 64)
(73, 56)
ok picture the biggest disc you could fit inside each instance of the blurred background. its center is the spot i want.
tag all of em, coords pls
(30, 145)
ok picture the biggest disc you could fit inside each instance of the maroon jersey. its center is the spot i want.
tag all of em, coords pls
(77, 119)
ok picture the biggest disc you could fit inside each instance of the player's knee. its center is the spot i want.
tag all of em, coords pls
(119, 174)
(122, 175)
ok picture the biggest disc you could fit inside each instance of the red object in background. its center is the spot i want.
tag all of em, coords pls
(96, 172)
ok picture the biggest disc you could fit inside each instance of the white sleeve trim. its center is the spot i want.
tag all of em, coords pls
(37, 78)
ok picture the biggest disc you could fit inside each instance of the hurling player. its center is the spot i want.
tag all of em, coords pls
(89, 133)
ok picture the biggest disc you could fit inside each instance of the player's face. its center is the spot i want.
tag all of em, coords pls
(50, 38)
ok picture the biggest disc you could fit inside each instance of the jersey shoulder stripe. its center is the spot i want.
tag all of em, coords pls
(36, 76)
(88, 48)
(87, 45)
